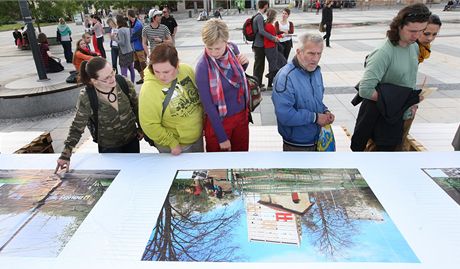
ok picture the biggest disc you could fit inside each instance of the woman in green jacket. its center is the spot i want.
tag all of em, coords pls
(170, 111)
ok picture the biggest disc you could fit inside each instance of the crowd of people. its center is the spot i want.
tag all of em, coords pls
(181, 108)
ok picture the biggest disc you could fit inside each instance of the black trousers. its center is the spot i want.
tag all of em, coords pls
(285, 48)
(328, 34)
(259, 63)
(115, 51)
(68, 54)
(100, 45)
(131, 147)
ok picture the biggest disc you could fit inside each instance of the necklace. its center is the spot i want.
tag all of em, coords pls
(111, 96)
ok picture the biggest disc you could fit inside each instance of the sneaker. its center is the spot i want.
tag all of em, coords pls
(140, 81)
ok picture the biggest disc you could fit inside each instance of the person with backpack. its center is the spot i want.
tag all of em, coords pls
(170, 111)
(258, 26)
(108, 106)
(223, 89)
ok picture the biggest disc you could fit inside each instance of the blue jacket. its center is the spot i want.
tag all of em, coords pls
(136, 35)
(298, 96)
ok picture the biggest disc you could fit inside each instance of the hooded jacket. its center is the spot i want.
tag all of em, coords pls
(182, 121)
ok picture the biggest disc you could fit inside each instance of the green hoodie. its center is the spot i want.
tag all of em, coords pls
(182, 122)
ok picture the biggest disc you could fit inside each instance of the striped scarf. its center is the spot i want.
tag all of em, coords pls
(229, 67)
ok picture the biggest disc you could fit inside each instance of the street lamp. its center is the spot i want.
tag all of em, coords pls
(25, 12)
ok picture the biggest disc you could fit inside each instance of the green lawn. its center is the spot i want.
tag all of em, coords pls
(11, 27)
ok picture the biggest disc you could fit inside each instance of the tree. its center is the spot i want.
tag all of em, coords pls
(185, 235)
(9, 12)
(331, 231)
(51, 11)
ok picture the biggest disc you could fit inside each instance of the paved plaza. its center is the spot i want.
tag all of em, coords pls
(355, 33)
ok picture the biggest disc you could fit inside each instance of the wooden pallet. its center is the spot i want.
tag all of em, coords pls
(411, 144)
(41, 144)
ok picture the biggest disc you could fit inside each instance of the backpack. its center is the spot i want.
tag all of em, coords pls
(92, 123)
(248, 30)
(255, 96)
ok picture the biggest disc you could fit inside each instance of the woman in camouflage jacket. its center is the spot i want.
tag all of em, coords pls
(117, 130)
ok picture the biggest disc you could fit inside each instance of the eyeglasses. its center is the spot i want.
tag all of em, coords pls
(111, 75)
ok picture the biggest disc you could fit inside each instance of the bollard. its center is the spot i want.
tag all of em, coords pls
(190, 14)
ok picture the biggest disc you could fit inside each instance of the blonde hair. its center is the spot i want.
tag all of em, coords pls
(61, 20)
(213, 31)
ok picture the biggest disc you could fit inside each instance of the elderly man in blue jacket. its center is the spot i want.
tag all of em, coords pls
(298, 97)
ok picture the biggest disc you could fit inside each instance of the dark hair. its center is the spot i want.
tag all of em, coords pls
(89, 69)
(287, 10)
(96, 17)
(131, 13)
(412, 13)
(164, 53)
(434, 19)
(82, 50)
(261, 4)
(42, 38)
(121, 21)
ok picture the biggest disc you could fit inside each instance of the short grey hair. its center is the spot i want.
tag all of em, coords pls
(308, 37)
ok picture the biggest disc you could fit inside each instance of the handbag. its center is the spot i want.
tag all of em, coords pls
(321, 28)
(255, 95)
(326, 140)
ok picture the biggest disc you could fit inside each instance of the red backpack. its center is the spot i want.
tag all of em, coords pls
(248, 31)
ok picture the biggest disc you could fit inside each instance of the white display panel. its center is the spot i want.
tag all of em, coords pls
(115, 232)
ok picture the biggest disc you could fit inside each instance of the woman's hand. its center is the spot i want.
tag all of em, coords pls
(61, 164)
(176, 150)
(242, 59)
(226, 145)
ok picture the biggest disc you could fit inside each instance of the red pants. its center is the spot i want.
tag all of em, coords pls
(237, 129)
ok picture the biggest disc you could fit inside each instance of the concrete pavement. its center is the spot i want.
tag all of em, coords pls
(355, 33)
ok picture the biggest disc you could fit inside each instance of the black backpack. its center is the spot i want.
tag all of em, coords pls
(93, 120)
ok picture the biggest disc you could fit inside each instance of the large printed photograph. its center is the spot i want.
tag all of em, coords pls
(448, 179)
(274, 215)
(40, 211)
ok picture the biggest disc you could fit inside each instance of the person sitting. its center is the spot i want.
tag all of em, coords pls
(17, 38)
(449, 6)
(82, 54)
(116, 130)
(52, 64)
(217, 14)
(203, 16)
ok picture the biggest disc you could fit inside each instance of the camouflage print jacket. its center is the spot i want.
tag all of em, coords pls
(115, 128)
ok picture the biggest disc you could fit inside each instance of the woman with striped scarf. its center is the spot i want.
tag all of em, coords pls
(223, 90)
